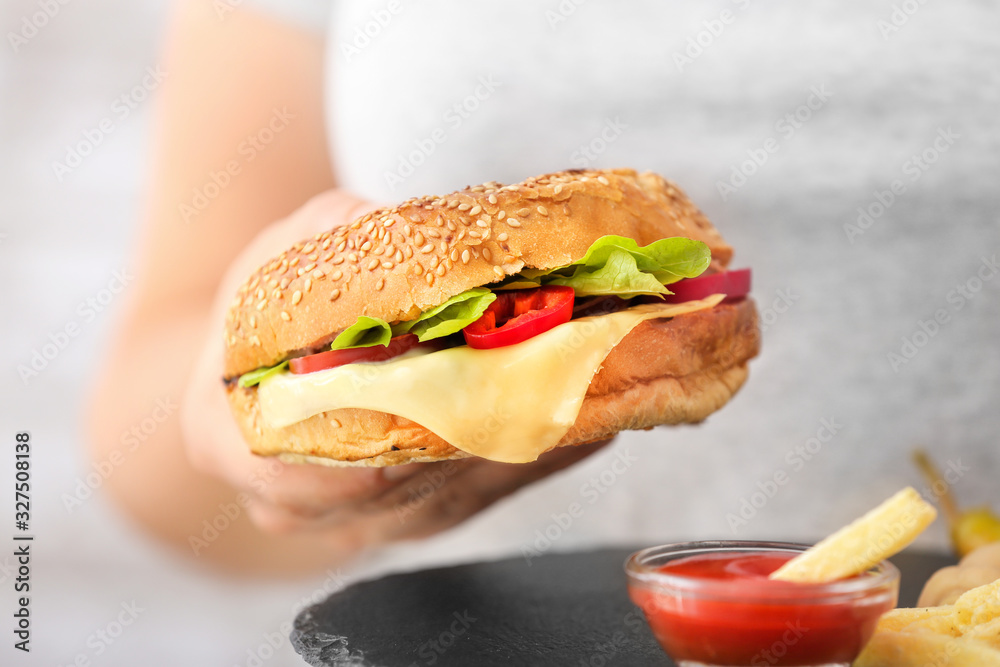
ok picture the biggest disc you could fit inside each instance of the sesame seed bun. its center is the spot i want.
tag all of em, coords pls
(394, 263)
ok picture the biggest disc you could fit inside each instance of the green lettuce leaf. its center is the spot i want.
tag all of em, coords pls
(450, 317)
(366, 332)
(616, 265)
(254, 377)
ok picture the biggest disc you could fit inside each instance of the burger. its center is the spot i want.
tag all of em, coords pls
(499, 321)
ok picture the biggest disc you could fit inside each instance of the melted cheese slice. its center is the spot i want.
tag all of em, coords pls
(507, 404)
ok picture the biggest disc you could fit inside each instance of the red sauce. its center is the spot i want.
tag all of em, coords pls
(759, 621)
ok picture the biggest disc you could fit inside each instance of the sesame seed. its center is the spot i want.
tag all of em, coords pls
(350, 244)
(418, 238)
(417, 269)
(328, 256)
(429, 277)
(493, 199)
(389, 223)
(441, 270)
(372, 264)
(434, 262)
(408, 251)
(464, 207)
(370, 227)
(341, 246)
(465, 256)
(254, 340)
(276, 294)
(501, 215)
(296, 297)
(439, 221)
(285, 316)
(502, 236)
(317, 274)
(429, 248)
(314, 256)
(300, 272)
(453, 203)
(482, 223)
(556, 190)
(336, 423)
(543, 210)
(380, 284)
(398, 257)
(487, 255)
(507, 259)
(475, 234)
(253, 322)
(603, 180)
(308, 284)
(351, 256)
(444, 246)
(497, 270)
(326, 244)
(262, 304)
(433, 233)
(451, 225)
(337, 273)
(366, 246)
(337, 260)
(260, 292)
(476, 210)
(273, 282)
(334, 294)
(524, 212)
(513, 222)
(454, 254)
(308, 248)
(387, 265)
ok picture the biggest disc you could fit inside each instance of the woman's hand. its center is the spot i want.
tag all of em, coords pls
(353, 507)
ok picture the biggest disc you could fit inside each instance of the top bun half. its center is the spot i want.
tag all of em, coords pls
(394, 263)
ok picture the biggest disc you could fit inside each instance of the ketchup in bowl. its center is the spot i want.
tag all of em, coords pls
(711, 604)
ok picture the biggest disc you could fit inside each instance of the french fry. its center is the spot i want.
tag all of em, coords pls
(879, 534)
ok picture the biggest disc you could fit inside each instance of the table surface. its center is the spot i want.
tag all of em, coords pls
(559, 609)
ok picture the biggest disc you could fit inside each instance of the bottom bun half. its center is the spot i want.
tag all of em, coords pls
(673, 371)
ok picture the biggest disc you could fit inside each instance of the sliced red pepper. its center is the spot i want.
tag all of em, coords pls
(331, 358)
(518, 315)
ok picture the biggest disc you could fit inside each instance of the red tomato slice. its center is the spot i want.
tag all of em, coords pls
(331, 358)
(517, 315)
(734, 284)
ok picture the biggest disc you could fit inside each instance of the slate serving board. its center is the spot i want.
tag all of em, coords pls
(562, 609)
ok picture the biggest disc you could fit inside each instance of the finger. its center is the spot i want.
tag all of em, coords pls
(427, 508)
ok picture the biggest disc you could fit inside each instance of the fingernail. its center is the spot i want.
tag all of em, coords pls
(396, 473)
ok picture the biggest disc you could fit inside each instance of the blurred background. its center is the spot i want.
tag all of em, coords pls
(849, 280)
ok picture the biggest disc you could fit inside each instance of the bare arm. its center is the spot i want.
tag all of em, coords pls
(241, 110)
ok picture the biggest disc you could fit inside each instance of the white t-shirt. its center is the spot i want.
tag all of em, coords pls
(848, 151)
